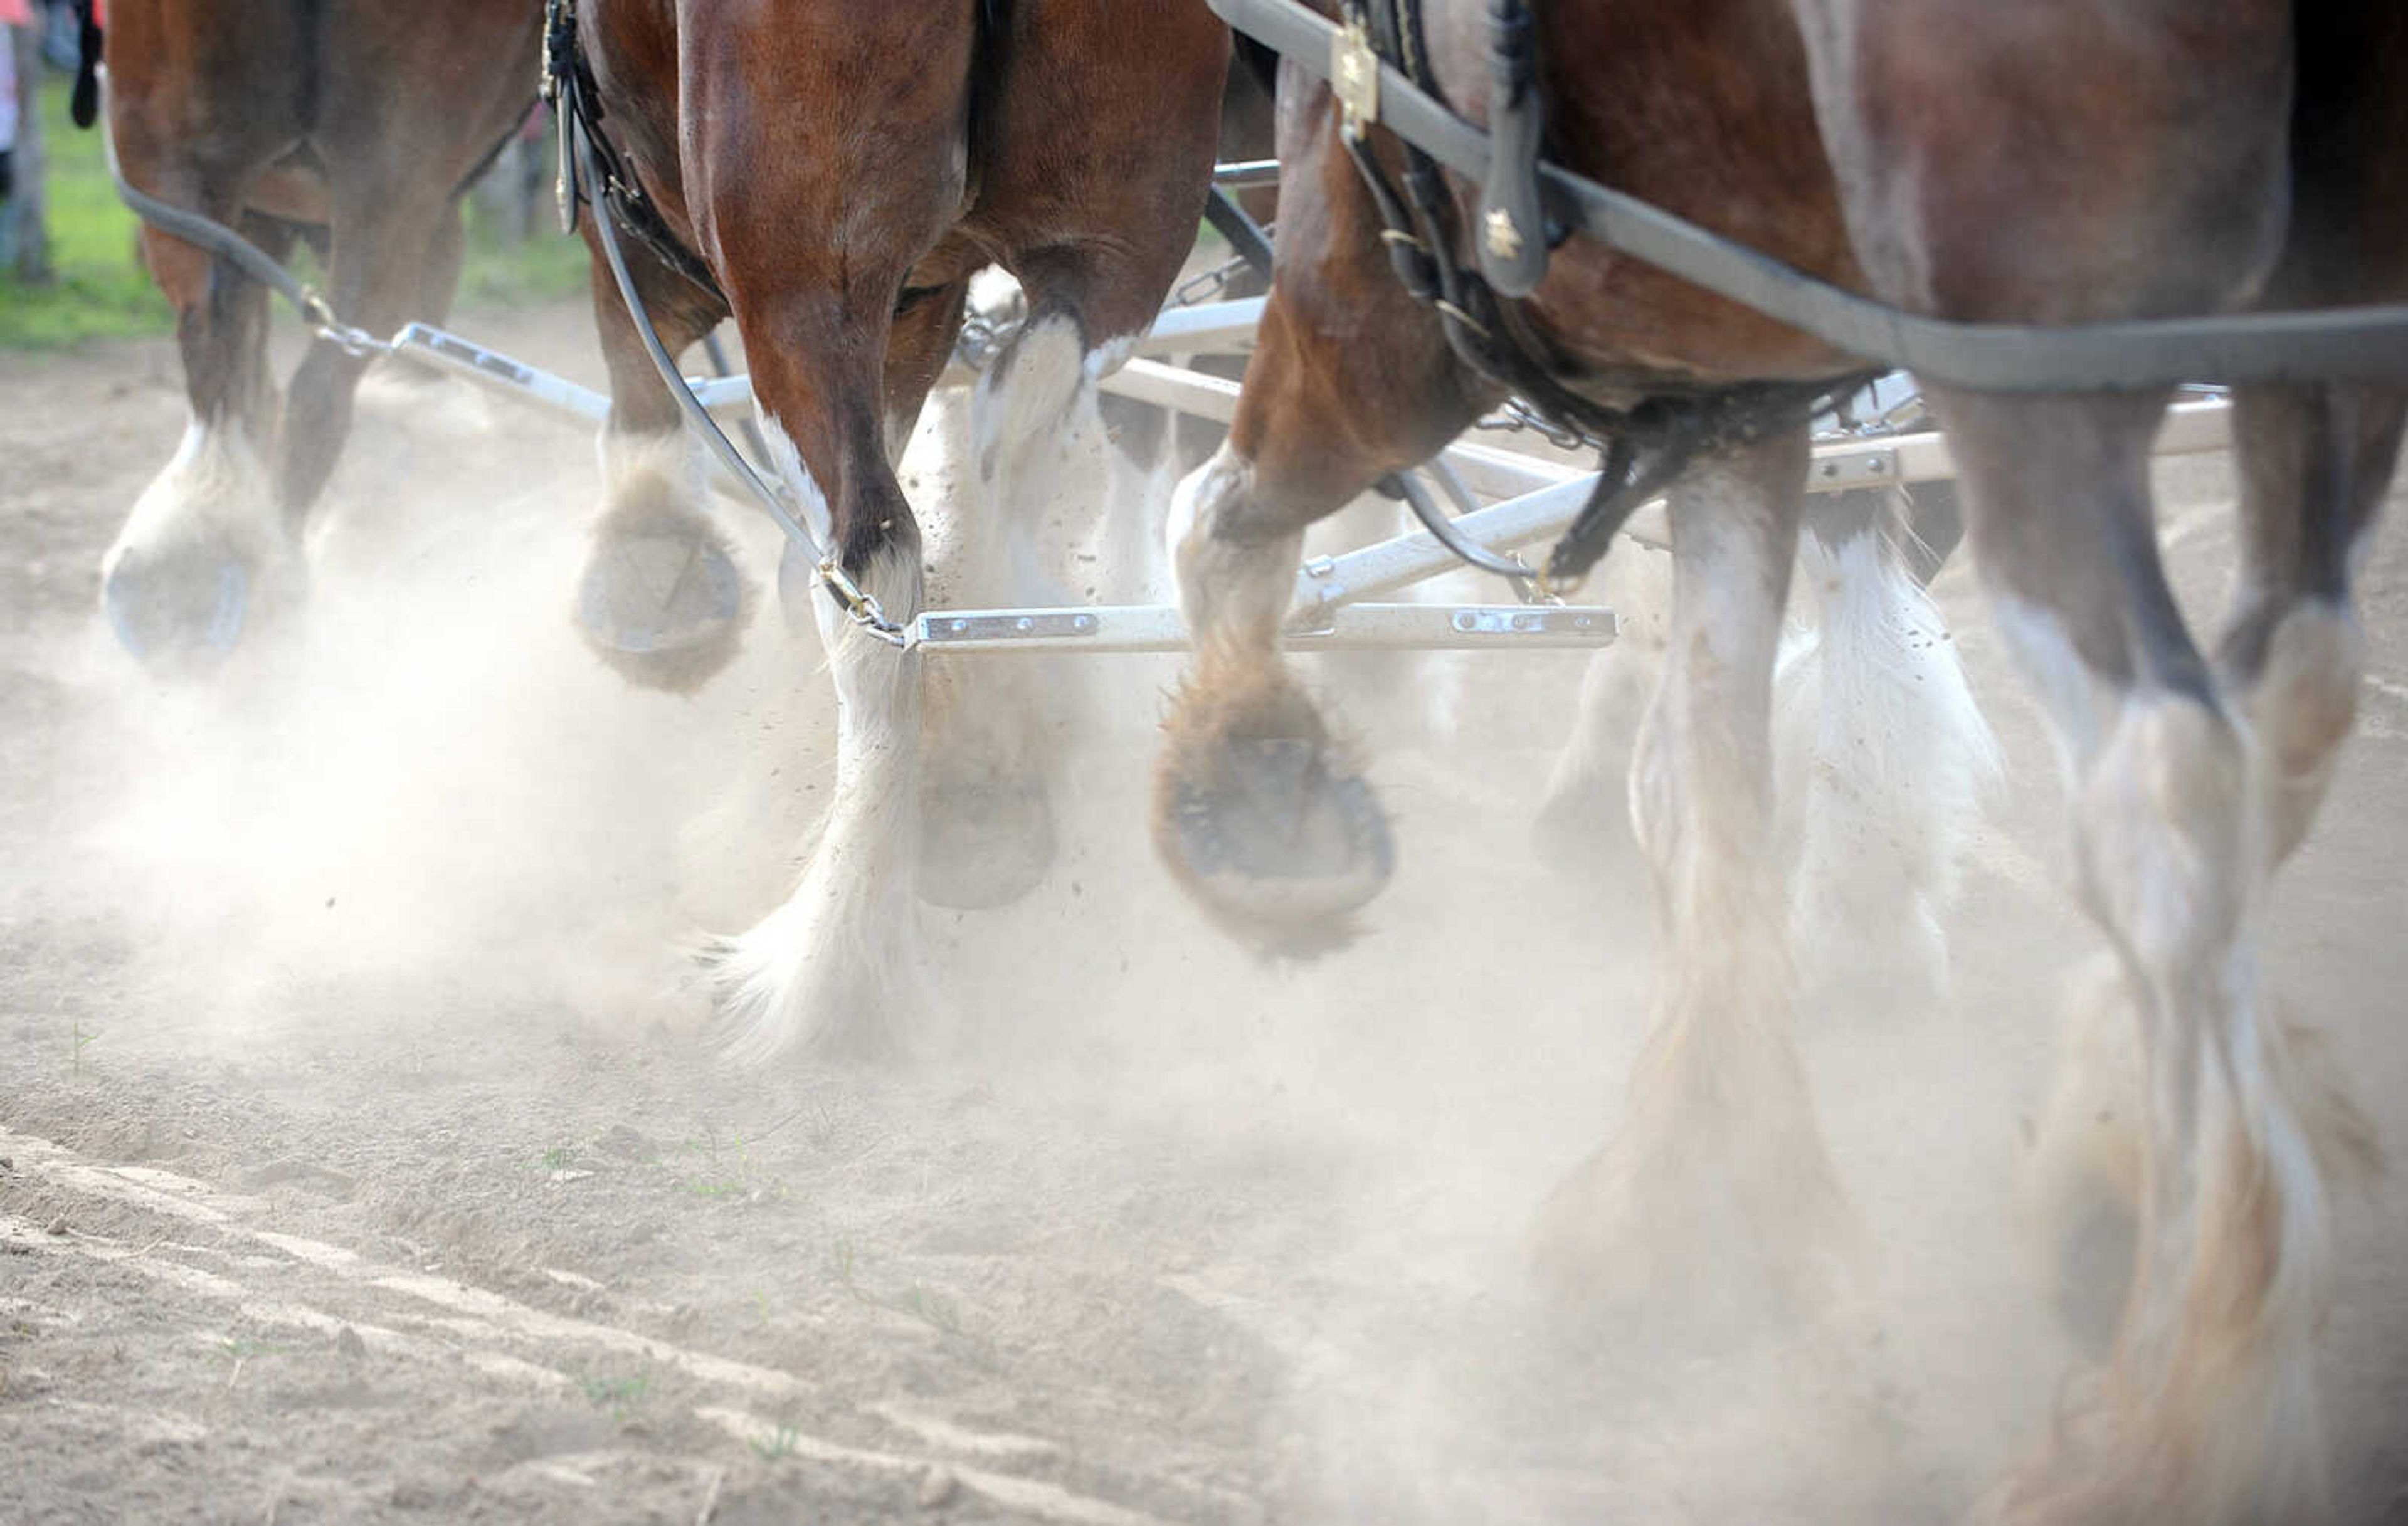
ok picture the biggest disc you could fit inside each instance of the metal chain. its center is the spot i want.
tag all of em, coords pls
(355, 342)
(1210, 283)
(1518, 417)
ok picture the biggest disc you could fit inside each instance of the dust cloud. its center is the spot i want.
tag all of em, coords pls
(1234, 1240)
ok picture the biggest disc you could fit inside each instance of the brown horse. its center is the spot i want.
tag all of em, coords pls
(832, 173)
(2047, 162)
(355, 125)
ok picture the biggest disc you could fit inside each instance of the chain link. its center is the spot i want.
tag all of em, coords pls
(320, 316)
(1207, 284)
(1517, 417)
(861, 607)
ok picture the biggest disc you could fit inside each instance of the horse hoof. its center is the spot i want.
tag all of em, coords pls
(662, 603)
(1277, 842)
(185, 607)
(985, 840)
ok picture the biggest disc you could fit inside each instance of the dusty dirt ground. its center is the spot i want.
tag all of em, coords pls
(358, 1159)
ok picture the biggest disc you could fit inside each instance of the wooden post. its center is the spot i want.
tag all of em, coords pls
(28, 206)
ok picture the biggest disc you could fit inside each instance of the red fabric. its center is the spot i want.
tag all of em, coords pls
(16, 12)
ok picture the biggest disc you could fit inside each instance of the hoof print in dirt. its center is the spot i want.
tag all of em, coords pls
(986, 840)
(1261, 819)
(177, 608)
(661, 600)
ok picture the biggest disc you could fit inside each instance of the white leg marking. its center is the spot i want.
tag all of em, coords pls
(1882, 760)
(832, 968)
(215, 494)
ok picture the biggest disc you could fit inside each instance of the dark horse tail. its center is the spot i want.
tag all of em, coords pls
(85, 105)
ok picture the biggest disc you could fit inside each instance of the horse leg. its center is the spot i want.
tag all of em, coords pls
(447, 254)
(2208, 1411)
(1716, 1191)
(994, 735)
(1882, 759)
(660, 599)
(386, 233)
(203, 549)
(814, 267)
(1259, 812)
(2314, 463)
(1092, 195)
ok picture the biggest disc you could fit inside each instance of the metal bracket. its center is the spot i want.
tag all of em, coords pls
(1876, 467)
(1355, 74)
(1158, 628)
(943, 630)
(1509, 620)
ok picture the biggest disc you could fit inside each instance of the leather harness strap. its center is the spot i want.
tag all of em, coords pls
(2365, 342)
(576, 100)
(1646, 446)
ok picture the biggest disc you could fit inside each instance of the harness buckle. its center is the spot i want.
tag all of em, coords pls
(1555, 591)
(1354, 74)
(861, 607)
(319, 316)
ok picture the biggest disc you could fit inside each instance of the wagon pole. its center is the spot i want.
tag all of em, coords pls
(28, 204)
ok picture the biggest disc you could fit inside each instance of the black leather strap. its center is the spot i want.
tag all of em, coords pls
(568, 84)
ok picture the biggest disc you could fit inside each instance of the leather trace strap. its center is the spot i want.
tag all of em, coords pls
(224, 243)
(775, 498)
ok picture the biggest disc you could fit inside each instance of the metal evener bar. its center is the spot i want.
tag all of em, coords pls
(496, 372)
(1334, 581)
(1157, 628)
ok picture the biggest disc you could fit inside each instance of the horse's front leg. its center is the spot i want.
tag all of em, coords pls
(1259, 810)
(2208, 1410)
(815, 267)
(1716, 1194)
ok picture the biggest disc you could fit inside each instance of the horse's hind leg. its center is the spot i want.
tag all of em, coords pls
(2208, 1410)
(203, 546)
(1715, 1193)
(995, 732)
(660, 599)
(1092, 191)
(2315, 463)
(389, 231)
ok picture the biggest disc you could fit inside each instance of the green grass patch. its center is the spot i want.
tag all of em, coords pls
(100, 289)
(548, 267)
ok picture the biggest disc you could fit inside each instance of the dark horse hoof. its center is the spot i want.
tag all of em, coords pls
(182, 607)
(1265, 825)
(662, 602)
(986, 838)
